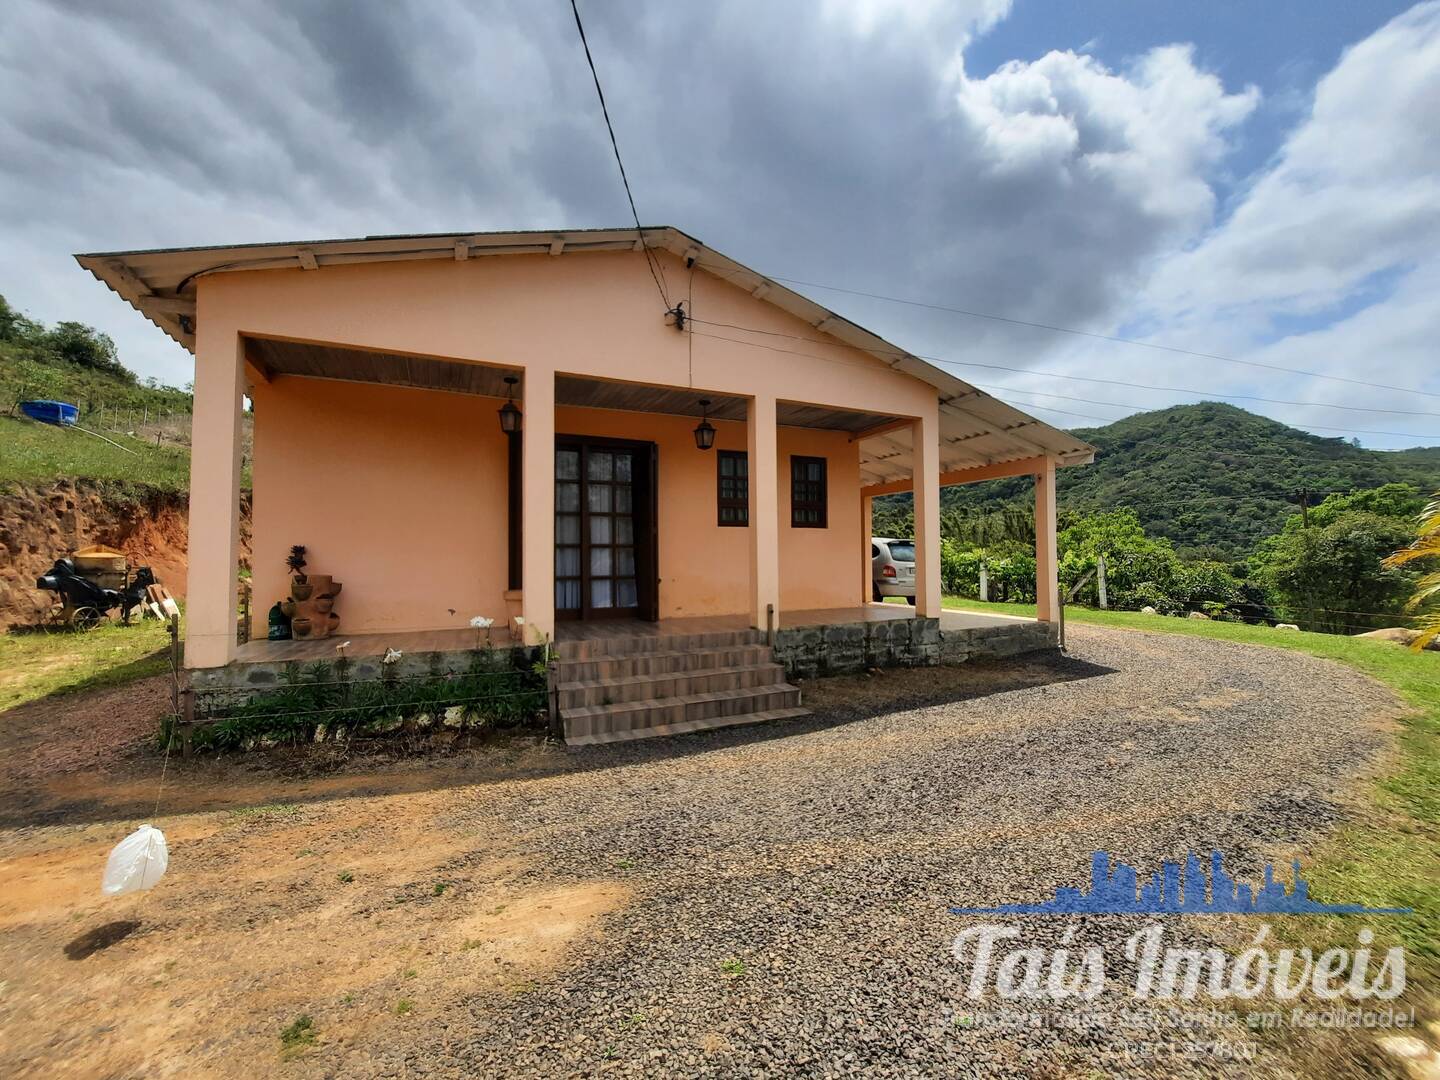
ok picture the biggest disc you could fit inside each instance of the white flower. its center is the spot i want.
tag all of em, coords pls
(342, 647)
(519, 620)
(480, 622)
(391, 656)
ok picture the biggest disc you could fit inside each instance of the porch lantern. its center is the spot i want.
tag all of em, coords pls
(704, 431)
(509, 414)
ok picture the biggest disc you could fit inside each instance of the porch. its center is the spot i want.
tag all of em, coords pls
(263, 651)
(805, 644)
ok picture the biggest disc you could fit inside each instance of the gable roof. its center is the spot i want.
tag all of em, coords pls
(975, 428)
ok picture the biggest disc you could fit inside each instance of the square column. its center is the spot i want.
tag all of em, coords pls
(538, 509)
(867, 570)
(210, 607)
(1047, 560)
(925, 441)
(764, 510)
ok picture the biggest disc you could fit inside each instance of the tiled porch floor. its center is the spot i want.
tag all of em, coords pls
(261, 650)
(789, 620)
(459, 640)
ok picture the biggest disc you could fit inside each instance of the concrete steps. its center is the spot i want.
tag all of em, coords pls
(615, 689)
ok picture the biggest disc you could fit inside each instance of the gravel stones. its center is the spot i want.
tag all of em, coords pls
(791, 883)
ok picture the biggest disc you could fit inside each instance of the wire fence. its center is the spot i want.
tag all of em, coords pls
(319, 702)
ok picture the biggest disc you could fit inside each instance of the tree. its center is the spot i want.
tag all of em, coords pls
(87, 347)
(1332, 577)
(1427, 590)
(15, 326)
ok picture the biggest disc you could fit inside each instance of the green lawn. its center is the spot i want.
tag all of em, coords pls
(39, 453)
(35, 664)
(1392, 857)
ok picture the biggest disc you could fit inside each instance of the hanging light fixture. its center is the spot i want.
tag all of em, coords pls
(704, 431)
(509, 414)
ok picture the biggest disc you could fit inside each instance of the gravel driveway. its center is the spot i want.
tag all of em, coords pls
(790, 886)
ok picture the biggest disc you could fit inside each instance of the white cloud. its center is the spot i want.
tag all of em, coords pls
(841, 141)
(1356, 189)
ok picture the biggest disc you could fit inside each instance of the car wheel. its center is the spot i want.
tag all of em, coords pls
(875, 594)
(910, 600)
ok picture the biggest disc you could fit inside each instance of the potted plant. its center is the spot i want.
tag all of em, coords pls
(299, 586)
(296, 562)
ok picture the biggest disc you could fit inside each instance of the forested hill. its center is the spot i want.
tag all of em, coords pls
(1213, 478)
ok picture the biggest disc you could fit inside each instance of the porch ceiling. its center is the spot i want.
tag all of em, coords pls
(638, 397)
(965, 443)
(356, 365)
(314, 361)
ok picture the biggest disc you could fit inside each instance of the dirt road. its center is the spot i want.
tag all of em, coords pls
(770, 901)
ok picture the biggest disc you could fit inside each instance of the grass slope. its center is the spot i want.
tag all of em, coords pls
(1209, 476)
(39, 663)
(1391, 857)
(40, 453)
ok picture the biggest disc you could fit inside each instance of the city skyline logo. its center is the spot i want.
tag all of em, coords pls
(1177, 890)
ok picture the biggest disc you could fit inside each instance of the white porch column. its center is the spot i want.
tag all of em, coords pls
(210, 607)
(538, 515)
(925, 440)
(1047, 560)
(867, 518)
(764, 511)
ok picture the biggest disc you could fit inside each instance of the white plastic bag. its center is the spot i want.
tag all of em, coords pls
(136, 863)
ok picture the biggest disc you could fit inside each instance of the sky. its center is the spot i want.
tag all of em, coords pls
(1255, 182)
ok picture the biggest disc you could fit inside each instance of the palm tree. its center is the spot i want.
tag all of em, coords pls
(1427, 590)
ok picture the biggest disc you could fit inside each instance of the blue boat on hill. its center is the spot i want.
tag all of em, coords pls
(50, 412)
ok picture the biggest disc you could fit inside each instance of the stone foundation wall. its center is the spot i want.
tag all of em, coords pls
(1010, 639)
(264, 676)
(809, 652)
(849, 648)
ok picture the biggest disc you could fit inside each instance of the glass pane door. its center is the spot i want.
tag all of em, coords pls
(595, 563)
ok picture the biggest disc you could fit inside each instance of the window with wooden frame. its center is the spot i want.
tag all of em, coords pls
(808, 493)
(732, 488)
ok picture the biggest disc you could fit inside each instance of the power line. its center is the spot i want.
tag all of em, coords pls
(1037, 393)
(1088, 378)
(639, 231)
(1101, 337)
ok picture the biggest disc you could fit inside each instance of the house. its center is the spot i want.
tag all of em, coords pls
(691, 441)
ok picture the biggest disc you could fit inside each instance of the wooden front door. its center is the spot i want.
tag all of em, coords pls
(605, 554)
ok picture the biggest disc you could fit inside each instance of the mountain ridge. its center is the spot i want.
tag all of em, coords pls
(1212, 477)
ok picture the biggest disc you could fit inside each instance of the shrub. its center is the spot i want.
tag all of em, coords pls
(318, 702)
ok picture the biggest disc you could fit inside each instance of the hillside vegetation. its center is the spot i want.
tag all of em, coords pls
(76, 363)
(124, 467)
(1212, 478)
(136, 435)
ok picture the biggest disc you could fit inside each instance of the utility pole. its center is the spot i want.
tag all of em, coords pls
(1100, 582)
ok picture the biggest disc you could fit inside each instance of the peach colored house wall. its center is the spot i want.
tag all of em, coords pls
(587, 314)
(398, 493)
(401, 494)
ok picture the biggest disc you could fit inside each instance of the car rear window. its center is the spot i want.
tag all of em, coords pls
(902, 550)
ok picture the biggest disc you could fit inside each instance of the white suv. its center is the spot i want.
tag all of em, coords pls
(892, 568)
